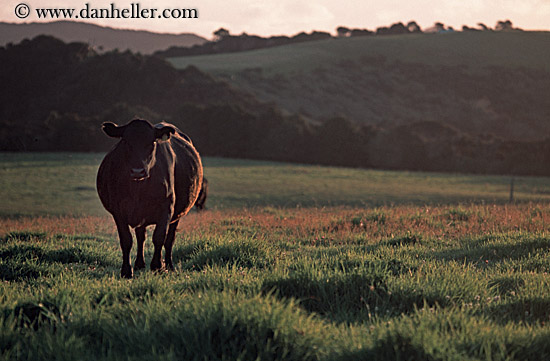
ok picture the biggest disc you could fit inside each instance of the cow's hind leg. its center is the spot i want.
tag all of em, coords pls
(159, 236)
(126, 245)
(169, 244)
(140, 238)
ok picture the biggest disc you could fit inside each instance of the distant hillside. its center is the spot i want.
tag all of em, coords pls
(490, 82)
(54, 97)
(105, 38)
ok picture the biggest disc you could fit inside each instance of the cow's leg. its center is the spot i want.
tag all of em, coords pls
(168, 245)
(126, 245)
(159, 236)
(140, 238)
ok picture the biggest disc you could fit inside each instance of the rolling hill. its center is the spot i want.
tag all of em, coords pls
(494, 83)
(454, 118)
(99, 37)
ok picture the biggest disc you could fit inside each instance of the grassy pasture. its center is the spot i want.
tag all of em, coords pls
(440, 269)
(475, 49)
(402, 80)
(64, 184)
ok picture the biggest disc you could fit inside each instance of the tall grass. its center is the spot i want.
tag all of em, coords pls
(392, 282)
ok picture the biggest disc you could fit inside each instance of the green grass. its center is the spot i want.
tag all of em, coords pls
(476, 49)
(286, 284)
(64, 184)
(49, 183)
(426, 276)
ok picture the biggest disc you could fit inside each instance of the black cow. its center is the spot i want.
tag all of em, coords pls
(201, 199)
(153, 175)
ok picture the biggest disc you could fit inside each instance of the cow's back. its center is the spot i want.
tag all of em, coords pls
(188, 173)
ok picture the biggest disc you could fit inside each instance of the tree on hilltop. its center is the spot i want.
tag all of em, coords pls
(483, 27)
(439, 26)
(220, 34)
(343, 32)
(394, 29)
(360, 32)
(398, 28)
(504, 25)
(413, 27)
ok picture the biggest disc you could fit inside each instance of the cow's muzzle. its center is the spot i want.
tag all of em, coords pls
(138, 174)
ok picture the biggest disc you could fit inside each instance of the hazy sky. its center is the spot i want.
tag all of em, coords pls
(289, 17)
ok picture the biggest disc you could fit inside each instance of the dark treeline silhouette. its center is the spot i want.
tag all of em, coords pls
(224, 42)
(227, 43)
(55, 96)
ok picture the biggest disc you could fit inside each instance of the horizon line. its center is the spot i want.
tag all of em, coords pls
(49, 21)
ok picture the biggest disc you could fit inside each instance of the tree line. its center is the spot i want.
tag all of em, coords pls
(225, 42)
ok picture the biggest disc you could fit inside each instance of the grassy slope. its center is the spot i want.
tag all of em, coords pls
(477, 82)
(475, 49)
(64, 184)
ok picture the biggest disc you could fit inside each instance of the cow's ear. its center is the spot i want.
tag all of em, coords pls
(164, 132)
(113, 130)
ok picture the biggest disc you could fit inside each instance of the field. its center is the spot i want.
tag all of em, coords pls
(290, 262)
(39, 184)
(477, 49)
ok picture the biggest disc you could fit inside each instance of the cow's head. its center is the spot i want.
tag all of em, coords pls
(138, 141)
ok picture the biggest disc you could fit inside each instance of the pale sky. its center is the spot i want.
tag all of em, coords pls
(288, 17)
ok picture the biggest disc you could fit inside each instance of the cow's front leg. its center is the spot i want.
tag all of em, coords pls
(159, 236)
(140, 239)
(126, 245)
